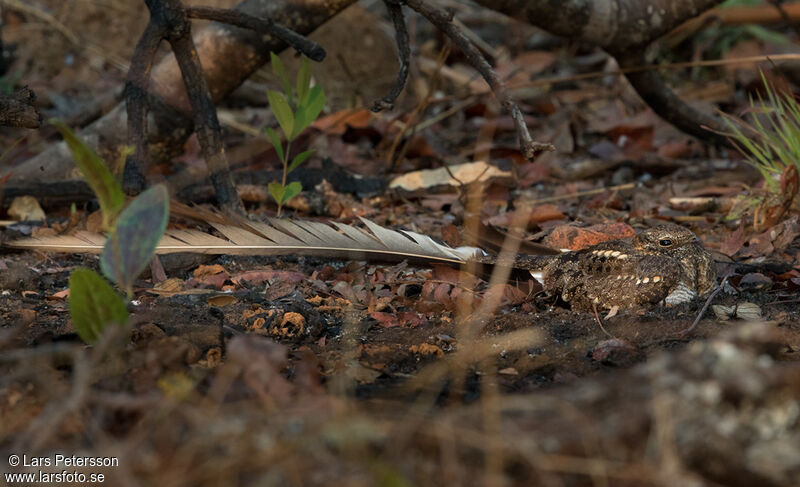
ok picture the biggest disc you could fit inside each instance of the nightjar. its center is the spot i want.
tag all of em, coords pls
(665, 264)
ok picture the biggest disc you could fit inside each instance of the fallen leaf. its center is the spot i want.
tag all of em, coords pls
(337, 123)
(60, 295)
(734, 242)
(744, 311)
(755, 281)
(279, 289)
(168, 288)
(26, 208)
(410, 319)
(385, 320)
(221, 300)
(461, 174)
(256, 277)
(208, 270)
(576, 238)
(426, 350)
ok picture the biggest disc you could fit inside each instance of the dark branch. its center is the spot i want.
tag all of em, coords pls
(443, 21)
(298, 42)
(133, 178)
(206, 122)
(403, 54)
(668, 105)
(169, 21)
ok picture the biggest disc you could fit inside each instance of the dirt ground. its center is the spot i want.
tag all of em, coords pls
(241, 370)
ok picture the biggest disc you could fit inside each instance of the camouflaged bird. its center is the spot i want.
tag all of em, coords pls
(662, 264)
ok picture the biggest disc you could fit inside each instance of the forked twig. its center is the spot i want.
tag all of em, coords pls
(719, 288)
(444, 22)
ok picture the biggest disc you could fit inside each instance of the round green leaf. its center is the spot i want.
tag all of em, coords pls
(135, 236)
(93, 304)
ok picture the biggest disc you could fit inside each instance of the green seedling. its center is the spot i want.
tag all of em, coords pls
(294, 110)
(94, 170)
(134, 232)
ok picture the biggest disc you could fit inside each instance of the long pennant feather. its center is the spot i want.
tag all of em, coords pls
(280, 237)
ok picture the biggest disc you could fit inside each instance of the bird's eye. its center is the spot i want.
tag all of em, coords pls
(665, 242)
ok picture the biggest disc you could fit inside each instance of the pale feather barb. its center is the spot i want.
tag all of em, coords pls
(280, 237)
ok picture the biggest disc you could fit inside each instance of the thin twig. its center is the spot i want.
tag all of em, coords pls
(719, 288)
(298, 42)
(444, 22)
(600, 322)
(409, 127)
(403, 54)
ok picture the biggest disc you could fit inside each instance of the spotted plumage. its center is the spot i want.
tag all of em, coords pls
(662, 264)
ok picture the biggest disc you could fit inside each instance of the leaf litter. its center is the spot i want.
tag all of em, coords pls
(330, 369)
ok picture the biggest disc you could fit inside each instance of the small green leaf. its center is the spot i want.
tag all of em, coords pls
(316, 102)
(93, 304)
(300, 122)
(134, 239)
(282, 111)
(275, 141)
(277, 191)
(299, 159)
(280, 71)
(96, 173)
(303, 81)
(308, 112)
(292, 189)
